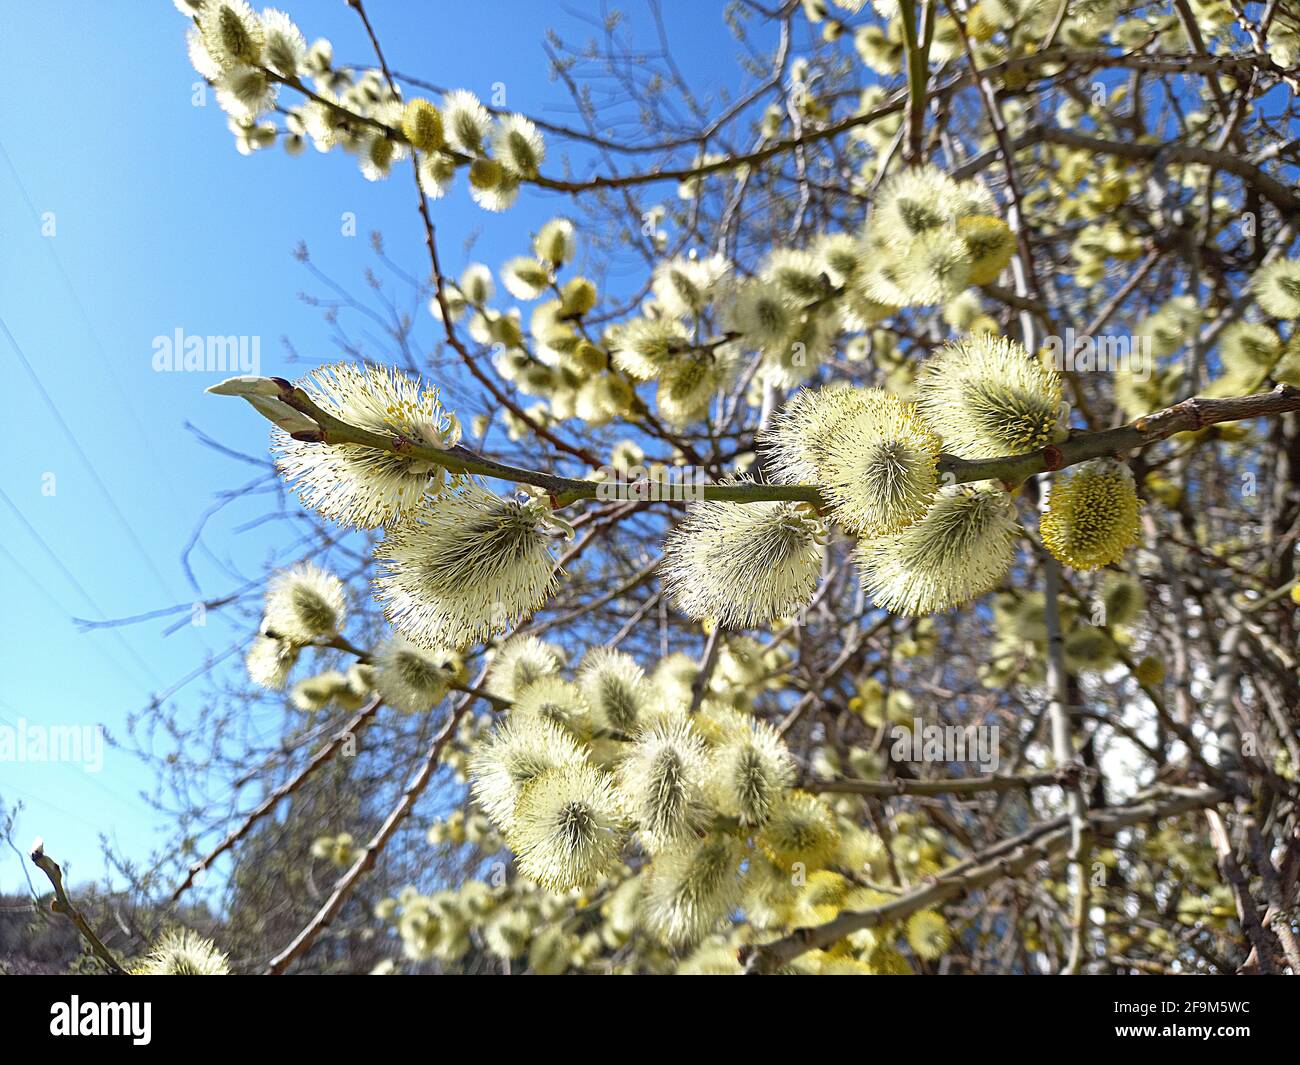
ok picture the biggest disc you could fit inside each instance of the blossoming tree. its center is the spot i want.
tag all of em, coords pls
(854, 465)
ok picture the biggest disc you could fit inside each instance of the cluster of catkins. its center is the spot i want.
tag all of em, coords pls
(924, 546)
(249, 57)
(593, 777)
(1097, 634)
(928, 239)
(306, 607)
(555, 361)
(459, 564)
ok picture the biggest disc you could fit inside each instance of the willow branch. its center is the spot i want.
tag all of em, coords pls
(957, 786)
(335, 744)
(303, 941)
(1010, 858)
(62, 904)
(294, 411)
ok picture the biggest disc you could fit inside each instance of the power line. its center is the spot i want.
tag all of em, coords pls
(90, 466)
(90, 778)
(123, 393)
(72, 579)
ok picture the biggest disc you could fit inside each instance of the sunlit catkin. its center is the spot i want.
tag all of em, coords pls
(743, 564)
(269, 661)
(616, 690)
(987, 397)
(1277, 288)
(183, 953)
(363, 486)
(554, 699)
(796, 441)
(962, 548)
(305, 603)
(1091, 517)
(232, 33)
(801, 829)
(663, 778)
(520, 661)
(751, 769)
(879, 467)
(510, 758)
(568, 827)
(413, 679)
(469, 566)
(692, 887)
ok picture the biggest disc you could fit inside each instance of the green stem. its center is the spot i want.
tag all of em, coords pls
(1187, 416)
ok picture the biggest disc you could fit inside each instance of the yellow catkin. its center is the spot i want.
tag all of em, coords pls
(1092, 515)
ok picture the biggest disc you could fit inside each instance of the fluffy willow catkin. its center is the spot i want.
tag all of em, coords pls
(514, 755)
(743, 564)
(616, 690)
(689, 382)
(183, 953)
(518, 146)
(763, 313)
(554, 699)
(871, 454)
(1277, 288)
(801, 829)
(663, 778)
(987, 397)
(936, 267)
(1091, 517)
(363, 486)
(914, 201)
(991, 244)
(645, 347)
(465, 121)
(692, 887)
(520, 661)
(751, 769)
(796, 440)
(232, 33)
(962, 548)
(413, 679)
(469, 566)
(685, 286)
(269, 661)
(927, 934)
(877, 465)
(304, 603)
(568, 827)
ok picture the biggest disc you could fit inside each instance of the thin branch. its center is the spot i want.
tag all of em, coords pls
(62, 904)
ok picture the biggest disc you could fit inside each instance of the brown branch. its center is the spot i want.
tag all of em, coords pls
(957, 786)
(1009, 858)
(303, 941)
(62, 904)
(336, 742)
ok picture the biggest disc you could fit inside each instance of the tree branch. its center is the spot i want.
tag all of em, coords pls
(62, 904)
(1189, 415)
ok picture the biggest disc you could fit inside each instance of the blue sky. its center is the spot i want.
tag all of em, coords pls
(125, 214)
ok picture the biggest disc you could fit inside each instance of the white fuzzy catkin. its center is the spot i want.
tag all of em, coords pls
(962, 548)
(743, 564)
(469, 566)
(364, 486)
